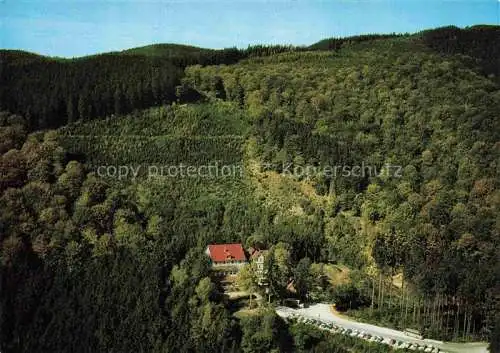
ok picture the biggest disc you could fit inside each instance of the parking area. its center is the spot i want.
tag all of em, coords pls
(336, 327)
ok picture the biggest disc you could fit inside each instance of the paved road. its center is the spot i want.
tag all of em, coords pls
(323, 312)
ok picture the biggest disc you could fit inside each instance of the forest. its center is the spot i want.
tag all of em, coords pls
(97, 264)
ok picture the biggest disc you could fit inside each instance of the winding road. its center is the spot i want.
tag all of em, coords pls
(322, 312)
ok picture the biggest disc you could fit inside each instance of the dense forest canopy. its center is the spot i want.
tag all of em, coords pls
(96, 263)
(50, 92)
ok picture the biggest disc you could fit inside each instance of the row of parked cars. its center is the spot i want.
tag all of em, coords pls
(366, 336)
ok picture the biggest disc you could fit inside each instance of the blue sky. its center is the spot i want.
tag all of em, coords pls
(81, 27)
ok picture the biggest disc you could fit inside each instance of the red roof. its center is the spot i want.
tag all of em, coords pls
(226, 252)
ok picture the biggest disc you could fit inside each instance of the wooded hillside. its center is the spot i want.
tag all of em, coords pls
(93, 263)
